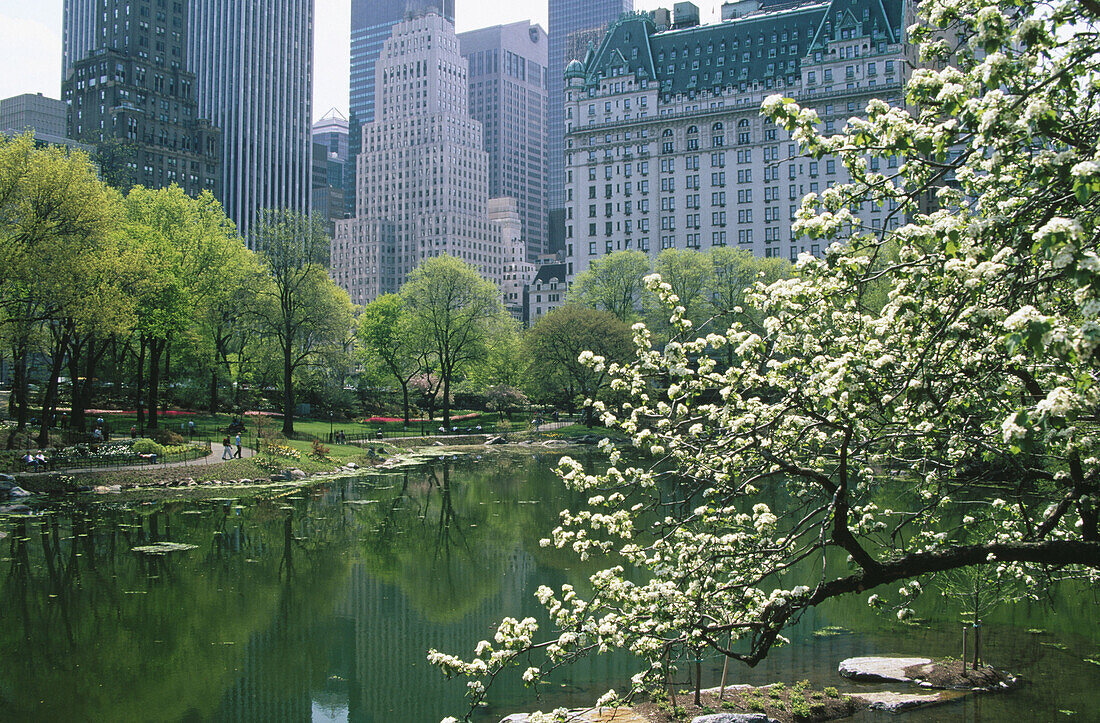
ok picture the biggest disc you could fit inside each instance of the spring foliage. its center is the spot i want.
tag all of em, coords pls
(965, 393)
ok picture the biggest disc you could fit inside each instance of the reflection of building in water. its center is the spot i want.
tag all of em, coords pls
(392, 639)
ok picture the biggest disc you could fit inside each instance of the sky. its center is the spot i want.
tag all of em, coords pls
(30, 42)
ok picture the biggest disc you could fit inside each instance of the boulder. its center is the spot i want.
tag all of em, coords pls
(6, 480)
(17, 491)
(733, 718)
(496, 440)
(892, 702)
(880, 668)
(352, 465)
(296, 474)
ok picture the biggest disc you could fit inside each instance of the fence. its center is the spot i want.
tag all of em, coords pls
(426, 429)
(91, 461)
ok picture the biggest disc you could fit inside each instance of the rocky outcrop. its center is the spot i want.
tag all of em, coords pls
(594, 715)
(880, 669)
(892, 702)
(733, 718)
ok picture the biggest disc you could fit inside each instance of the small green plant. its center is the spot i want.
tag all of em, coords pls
(319, 451)
(817, 695)
(799, 708)
(755, 705)
(728, 705)
(832, 692)
(802, 685)
(775, 692)
(706, 709)
(148, 446)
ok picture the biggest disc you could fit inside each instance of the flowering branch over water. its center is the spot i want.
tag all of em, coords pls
(919, 400)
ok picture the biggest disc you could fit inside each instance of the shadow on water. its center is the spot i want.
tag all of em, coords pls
(322, 605)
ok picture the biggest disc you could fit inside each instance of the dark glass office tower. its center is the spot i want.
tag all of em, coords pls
(253, 64)
(573, 24)
(130, 94)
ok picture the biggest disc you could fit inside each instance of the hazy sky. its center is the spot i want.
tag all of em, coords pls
(30, 42)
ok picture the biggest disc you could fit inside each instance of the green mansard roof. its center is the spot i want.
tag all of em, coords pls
(768, 43)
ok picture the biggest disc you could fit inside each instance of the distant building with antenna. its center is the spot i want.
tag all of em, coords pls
(330, 168)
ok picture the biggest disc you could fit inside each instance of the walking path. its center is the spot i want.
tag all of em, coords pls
(215, 457)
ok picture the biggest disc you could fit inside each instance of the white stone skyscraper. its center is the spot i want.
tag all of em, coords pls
(422, 186)
(253, 64)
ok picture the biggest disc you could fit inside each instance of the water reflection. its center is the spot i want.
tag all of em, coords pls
(321, 604)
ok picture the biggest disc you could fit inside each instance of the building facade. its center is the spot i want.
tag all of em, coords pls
(508, 95)
(253, 64)
(127, 91)
(372, 24)
(422, 175)
(547, 291)
(35, 112)
(665, 144)
(330, 161)
(518, 271)
(573, 24)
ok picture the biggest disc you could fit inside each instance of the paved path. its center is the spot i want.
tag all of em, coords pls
(215, 457)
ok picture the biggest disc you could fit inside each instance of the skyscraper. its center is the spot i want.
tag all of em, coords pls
(253, 64)
(507, 67)
(128, 91)
(423, 185)
(573, 23)
(372, 22)
(330, 159)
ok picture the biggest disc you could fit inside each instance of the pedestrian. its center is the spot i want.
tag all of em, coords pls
(227, 451)
(191, 429)
(240, 448)
(133, 431)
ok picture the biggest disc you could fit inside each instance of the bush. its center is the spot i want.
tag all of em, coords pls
(166, 436)
(148, 446)
(320, 451)
(832, 692)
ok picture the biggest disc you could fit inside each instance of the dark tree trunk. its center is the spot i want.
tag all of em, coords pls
(139, 391)
(405, 400)
(49, 402)
(168, 399)
(19, 391)
(156, 349)
(82, 390)
(447, 402)
(288, 385)
(213, 405)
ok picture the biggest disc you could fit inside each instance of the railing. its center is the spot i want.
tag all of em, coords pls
(54, 463)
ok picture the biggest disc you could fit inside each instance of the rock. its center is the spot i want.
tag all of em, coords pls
(296, 474)
(6, 481)
(244, 482)
(18, 491)
(892, 702)
(733, 718)
(880, 668)
(352, 465)
(107, 489)
(597, 715)
(495, 440)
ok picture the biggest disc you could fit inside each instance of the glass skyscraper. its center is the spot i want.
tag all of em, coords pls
(253, 64)
(573, 24)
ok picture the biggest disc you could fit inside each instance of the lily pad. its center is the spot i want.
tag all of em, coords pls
(831, 631)
(163, 548)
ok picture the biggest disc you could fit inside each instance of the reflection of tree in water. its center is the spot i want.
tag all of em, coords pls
(95, 631)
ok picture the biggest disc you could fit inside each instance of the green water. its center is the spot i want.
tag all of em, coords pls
(320, 605)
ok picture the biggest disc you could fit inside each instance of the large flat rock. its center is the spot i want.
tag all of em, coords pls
(594, 715)
(880, 668)
(733, 718)
(892, 702)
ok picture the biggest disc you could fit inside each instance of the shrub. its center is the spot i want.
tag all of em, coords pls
(281, 450)
(799, 708)
(832, 692)
(320, 451)
(755, 705)
(148, 446)
(166, 436)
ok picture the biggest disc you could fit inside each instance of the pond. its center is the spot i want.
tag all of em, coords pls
(320, 604)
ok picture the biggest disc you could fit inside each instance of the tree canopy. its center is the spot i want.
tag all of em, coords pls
(870, 448)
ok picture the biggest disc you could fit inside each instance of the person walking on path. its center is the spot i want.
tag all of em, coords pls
(227, 451)
(191, 429)
(240, 449)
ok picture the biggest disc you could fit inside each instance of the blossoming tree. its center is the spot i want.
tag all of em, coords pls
(966, 395)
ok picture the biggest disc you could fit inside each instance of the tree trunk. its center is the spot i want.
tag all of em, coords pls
(447, 402)
(19, 391)
(156, 348)
(405, 400)
(139, 392)
(81, 391)
(213, 405)
(168, 399)
(288, 387)
(49, 402)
